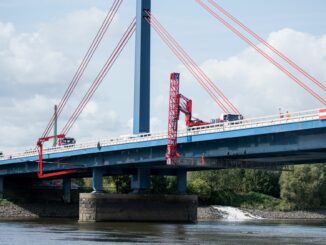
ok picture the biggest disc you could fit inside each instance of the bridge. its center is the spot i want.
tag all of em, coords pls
(264, 142)
(260, 142)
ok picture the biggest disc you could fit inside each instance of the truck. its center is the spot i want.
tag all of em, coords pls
(227, 118)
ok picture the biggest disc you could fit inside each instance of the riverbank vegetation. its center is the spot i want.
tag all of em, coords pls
(293, 188)
(299, 187)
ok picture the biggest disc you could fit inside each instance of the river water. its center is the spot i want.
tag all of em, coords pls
(57, 232)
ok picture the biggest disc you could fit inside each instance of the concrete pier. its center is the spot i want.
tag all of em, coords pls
(97, 207)
(1, 187)
(66, 186)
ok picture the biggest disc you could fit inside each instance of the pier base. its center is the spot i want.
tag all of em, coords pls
(97, 207)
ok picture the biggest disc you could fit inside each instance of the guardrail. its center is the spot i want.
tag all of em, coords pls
(211, 128)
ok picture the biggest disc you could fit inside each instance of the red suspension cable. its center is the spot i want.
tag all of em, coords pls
(190, 68)
(260, 39)
(194, 68)
(83, 65)
(105, 69)
(274, 62)
(201, 77)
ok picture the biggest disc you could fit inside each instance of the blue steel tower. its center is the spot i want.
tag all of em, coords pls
(141, 179)
(142, 70)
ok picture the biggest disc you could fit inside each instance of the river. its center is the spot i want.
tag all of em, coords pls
(66, 232)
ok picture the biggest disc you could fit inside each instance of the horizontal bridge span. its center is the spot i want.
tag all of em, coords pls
(298, 138)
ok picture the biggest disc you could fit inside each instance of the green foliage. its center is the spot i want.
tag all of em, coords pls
(122, 184)
(163, 185)
(216, 187)
(80, 182)
(260, 201)
(302, 187)
(265, 182)
(305, 186)
(4, 202)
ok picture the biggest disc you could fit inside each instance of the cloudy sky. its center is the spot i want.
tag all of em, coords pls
(43, 41)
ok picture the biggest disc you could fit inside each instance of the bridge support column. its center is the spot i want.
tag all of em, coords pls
(66, 185)
(137, 208)
(142, 70)
(1, 187)
(97, 180)
(140, 181)
(182, 181)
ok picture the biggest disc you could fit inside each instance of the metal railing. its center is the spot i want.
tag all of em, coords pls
(211, 128)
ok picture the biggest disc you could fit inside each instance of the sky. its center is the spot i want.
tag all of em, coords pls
(42, 43)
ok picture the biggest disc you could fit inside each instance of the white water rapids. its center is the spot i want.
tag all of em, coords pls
(234, 214)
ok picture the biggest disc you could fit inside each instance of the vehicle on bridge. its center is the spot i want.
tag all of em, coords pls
(228, 118)
(134, 136)
(67, 141)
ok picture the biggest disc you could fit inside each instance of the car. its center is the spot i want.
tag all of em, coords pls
(1, 154)
(144, 135)
(68, 141)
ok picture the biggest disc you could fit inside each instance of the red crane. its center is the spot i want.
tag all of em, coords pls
(178, 103)
(40, 173)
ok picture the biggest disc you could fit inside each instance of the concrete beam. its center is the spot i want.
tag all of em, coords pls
(66, 185)
(182, 181)
(97, 180)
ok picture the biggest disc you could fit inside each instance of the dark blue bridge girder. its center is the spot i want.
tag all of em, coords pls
(293, 143)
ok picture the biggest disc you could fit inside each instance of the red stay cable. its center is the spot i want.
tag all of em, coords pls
(192, 66)
(260, 39)
(274, 62)
(89, 54)
(105, 69)
(195, 67)
(204, 76)
(188, 66)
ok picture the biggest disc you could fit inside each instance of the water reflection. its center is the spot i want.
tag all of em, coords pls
(59, 232)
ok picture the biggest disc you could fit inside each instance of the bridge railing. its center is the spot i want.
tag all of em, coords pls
(257, 122)
(211, 128)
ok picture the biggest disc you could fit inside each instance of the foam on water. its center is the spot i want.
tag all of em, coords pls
(234, 214)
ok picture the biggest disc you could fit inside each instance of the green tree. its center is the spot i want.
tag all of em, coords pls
(216, 187)
(305, 186)
(122, 184)
(262, 181)
(163, 185)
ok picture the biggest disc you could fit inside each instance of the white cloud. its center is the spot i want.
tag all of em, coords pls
(258, 88)
(77, 28)
(35, 67)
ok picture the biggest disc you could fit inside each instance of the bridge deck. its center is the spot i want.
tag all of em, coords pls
(240, 130)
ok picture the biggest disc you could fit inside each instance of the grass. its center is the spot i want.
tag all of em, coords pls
(4, 202)
(264, 202)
